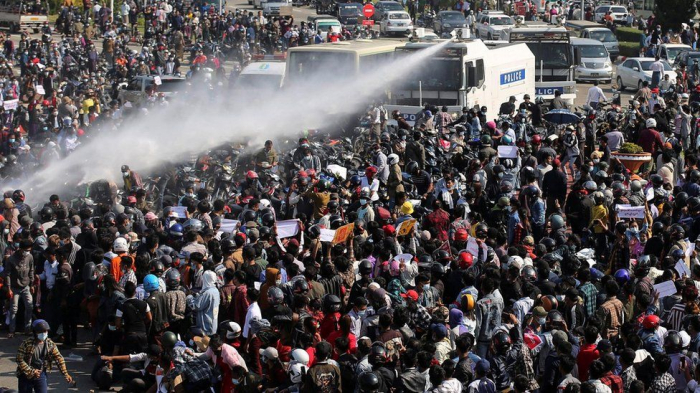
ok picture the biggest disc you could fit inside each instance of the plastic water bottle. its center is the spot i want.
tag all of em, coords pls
(73, 357)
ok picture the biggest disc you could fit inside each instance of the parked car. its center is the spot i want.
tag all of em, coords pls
(446, 21)
(634, 70)
(396, 22)
(490, 25)
(619, 13)
(595, 60)
(669, 52)
(382, 7)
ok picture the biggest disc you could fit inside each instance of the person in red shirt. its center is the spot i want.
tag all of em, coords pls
(240, 300)
(649, 138)
(439, 220)
(588, 352)
(345, 325)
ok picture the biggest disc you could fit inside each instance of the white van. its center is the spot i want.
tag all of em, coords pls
(595, 60)
(262, 76)
(327, 23)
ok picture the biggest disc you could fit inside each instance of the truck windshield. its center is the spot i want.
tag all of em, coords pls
(593, 51)
(257, 81)
(436, 74)
(350, 11)
(603, 36)
(554, 55)
(672, 53)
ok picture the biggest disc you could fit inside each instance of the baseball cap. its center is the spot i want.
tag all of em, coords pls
(539, 311)
(413, 295)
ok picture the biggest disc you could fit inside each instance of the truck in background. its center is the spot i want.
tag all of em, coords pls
(262, 76)
(465, 73)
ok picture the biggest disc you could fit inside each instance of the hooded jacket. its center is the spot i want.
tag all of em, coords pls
(270, 281)
(206, 304)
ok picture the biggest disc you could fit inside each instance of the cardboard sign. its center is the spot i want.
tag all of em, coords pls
(631, 212)
(157, 80)
(405, 227)
(507, 151)
(342, 233)
(286, 10)
(287, 228)
(10, 105)
(228, 225)
(327, 235)
(666, 288)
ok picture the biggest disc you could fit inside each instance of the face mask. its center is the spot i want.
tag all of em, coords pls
(500, 175)
(236, 381)
(590, 169)
(541, 321)
(12, 140)
(42, 336)
(362, 313)
(6, 231)
(426, 287)
(191, 343)
(596, 161)
(125, 174)
(363, 201)
(278, 282)
(112, 328)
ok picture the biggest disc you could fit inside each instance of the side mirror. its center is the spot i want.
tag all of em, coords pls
(635, 68)
(471, 76)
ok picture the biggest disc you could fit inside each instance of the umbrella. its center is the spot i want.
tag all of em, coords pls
(561, 116)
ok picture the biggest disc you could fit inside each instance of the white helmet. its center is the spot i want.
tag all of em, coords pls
(296, 372)
(651, 123)
(299, 356)
(120, 245)
(393, 159)
(234, 330)
(264, 203)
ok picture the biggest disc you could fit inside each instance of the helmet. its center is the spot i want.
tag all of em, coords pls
(556, 221)
(651, 123)
(176, 230)
(673, 342)
(536, 140)
(529, 173)
(331, 303)
(693, 204)
(485, 140)
(275, 296)
(590, 185)
(437, 269)
(248, 215)
(501, 341)
(377, 355)
(46, 214)
(251, 175)
(598, 198)
(168, 340)
(622, 276)
(365, 267)
(369, 382)
(333, 205)
(172, 279)
(301, 286)
(193, 224)
(364, 194)
(150, 283)
(18, 196)
(40, 326)
(482, 231)
(371, 171)
(336, 221)
(412, 166)
(265, 232)
(618, 189)
(651, 322)
(355, 180)
(677, 231)
(549, 302)
(695, 175)
(300, 356)
(677, 254)
(296, 372)
(528, 273)
(635, 186)
(157, 267)
(443, 256)
(314, 232)
(268, 219)
(323, 185)
(120, 245)
(393, 158)
(228, 245)
(641, 269)
(656, 180)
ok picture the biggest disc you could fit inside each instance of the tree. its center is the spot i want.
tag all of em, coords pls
(671, 13)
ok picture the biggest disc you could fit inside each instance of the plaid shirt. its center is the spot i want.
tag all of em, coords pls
(664, 383)
(24, 358)
(419, 319)
(614, 382)
(629, 375)
(194, 370)
(589, 293)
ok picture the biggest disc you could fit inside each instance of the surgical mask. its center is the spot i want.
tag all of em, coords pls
(500, 175)
(541, 321)
(125, 174)
(426, 287)
(590, 168)
(6, 231)
(560, 298)
(12, 140)
(363, 201)
(596, 161)
(236, 381)
(112, 327)
(191, 343)
(362, 313)
(278, 282)
(42, 336)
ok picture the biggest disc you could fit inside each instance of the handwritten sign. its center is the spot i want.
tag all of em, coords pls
(180, 210)
(327, 235)
(228, 225)
(682, 269)
(157, 80)
(342, 233)
(40, 89)
(666, 288)
(507, 151)
(10, 105)
(405, 227)
(624, 212)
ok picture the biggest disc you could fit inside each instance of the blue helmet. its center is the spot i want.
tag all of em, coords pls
(176, 230)
(150, 283)
(622, 276)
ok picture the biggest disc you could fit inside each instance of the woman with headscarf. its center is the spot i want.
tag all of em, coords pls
(206, 304)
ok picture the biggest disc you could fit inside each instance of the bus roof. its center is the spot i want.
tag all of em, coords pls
(362, 47)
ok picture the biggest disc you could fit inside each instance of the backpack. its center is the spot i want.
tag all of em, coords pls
(383, 215)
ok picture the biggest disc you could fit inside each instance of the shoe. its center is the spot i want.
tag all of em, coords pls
(10, 335)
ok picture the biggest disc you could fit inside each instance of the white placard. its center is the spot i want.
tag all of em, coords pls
(689, 250)
(682, 269)
(180, 210)
(327, 235)
(407, 258)
(507, 151)
(10, 105)
(40, 89)
(338, 171)
(666, 288)
(287, 228)
(631, 212)
(157, 80)
(228, 225)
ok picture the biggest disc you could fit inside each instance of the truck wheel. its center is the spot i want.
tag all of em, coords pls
(619, 84)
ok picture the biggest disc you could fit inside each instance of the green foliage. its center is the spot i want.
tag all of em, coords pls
(630, 34)
(630, 148)
(671, 13)
(629, 49)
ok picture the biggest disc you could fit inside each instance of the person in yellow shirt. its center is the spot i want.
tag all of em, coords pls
(600, 216)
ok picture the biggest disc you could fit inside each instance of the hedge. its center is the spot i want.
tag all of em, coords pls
(629, 49)
(629, 34)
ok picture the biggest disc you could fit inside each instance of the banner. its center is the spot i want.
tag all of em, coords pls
(287, 228)
(342, 233)
(625, 212)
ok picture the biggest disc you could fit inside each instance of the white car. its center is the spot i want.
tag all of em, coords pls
(634, 70)
(396, 22)
(618, 12)
(489, 26)
(670, 51)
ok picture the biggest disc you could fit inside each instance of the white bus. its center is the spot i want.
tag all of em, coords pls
(338, 58)
(22, 14)
(466, 73)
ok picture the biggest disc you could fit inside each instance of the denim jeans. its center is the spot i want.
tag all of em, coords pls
(26, 296)
(39, 385)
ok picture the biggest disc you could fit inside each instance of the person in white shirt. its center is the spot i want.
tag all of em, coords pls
(124, 9)
(252, 313)
(595, 95)
(657, 69)
(50, 269)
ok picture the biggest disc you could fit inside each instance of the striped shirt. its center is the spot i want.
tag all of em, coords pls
(675, 316)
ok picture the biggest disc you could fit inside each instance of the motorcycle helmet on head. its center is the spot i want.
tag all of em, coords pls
(651, 322)
(673, 343)
(622, 276)
(501, 341)
(172, 279)
(150, 283)
(365, 267)
(369, 382)
(275, 296)
(331, 303)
